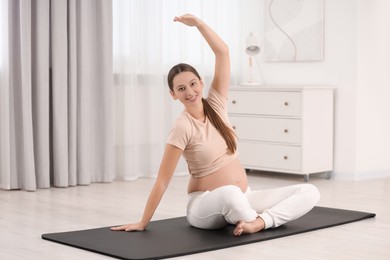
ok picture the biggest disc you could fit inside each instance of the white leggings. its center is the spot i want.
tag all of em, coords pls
(228, 204)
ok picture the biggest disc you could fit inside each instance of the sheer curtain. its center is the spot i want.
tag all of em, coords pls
(4, 95)
(56, 93)
(147, 43)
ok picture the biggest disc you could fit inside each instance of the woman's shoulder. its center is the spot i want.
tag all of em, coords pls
(181, 132)
(182, 122)
(183, 118)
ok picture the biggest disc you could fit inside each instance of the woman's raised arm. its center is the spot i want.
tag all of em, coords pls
(221, 78)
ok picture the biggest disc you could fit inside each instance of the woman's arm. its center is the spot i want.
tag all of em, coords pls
(221, 78)
(168, 164)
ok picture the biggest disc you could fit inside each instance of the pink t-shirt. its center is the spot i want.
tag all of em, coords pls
(203, 147)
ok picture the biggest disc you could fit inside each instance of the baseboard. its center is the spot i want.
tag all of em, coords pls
(154, 176)
(367, 175)
(360, 175)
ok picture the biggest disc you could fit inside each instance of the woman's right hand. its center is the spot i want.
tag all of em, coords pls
(130, 227)
(188, 19)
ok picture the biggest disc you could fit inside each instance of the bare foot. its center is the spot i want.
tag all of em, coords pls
(249, 227)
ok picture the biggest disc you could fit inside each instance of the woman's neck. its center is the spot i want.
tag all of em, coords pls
(197, 112)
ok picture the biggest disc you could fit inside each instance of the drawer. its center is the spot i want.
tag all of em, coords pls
(267, 129)
(259, 155)
(265, 103)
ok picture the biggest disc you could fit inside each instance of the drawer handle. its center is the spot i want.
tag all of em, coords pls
(286, 131)
(234, 102)
(286, 103)
(285, 157)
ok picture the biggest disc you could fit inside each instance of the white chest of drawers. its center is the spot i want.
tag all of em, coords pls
(283, 129)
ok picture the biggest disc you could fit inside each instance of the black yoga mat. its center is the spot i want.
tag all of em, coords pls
(175, 237)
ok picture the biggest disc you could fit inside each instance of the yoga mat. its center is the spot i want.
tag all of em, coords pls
(175, 237)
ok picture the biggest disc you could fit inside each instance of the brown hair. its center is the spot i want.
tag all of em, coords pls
(226, 132)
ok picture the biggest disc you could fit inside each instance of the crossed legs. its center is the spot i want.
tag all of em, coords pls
(251, 211)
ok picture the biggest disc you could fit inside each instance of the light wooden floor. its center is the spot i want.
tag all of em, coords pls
(24, 216)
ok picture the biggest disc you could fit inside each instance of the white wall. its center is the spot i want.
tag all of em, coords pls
(373, 89)
(356, 57)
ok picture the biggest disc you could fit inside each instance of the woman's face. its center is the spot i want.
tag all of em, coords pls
(187, 88)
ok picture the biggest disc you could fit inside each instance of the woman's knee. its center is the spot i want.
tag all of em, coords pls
(312, 192)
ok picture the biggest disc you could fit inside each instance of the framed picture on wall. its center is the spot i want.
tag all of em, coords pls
(294, 30)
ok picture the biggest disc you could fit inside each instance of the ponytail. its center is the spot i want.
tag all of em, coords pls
(222, 128)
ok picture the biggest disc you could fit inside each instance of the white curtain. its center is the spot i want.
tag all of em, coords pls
(147, 43)
(4, 95)
(56, 95)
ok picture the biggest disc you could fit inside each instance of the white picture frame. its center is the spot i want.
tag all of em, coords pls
(294, 30)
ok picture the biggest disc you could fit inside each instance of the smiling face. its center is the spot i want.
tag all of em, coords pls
(187, 88)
